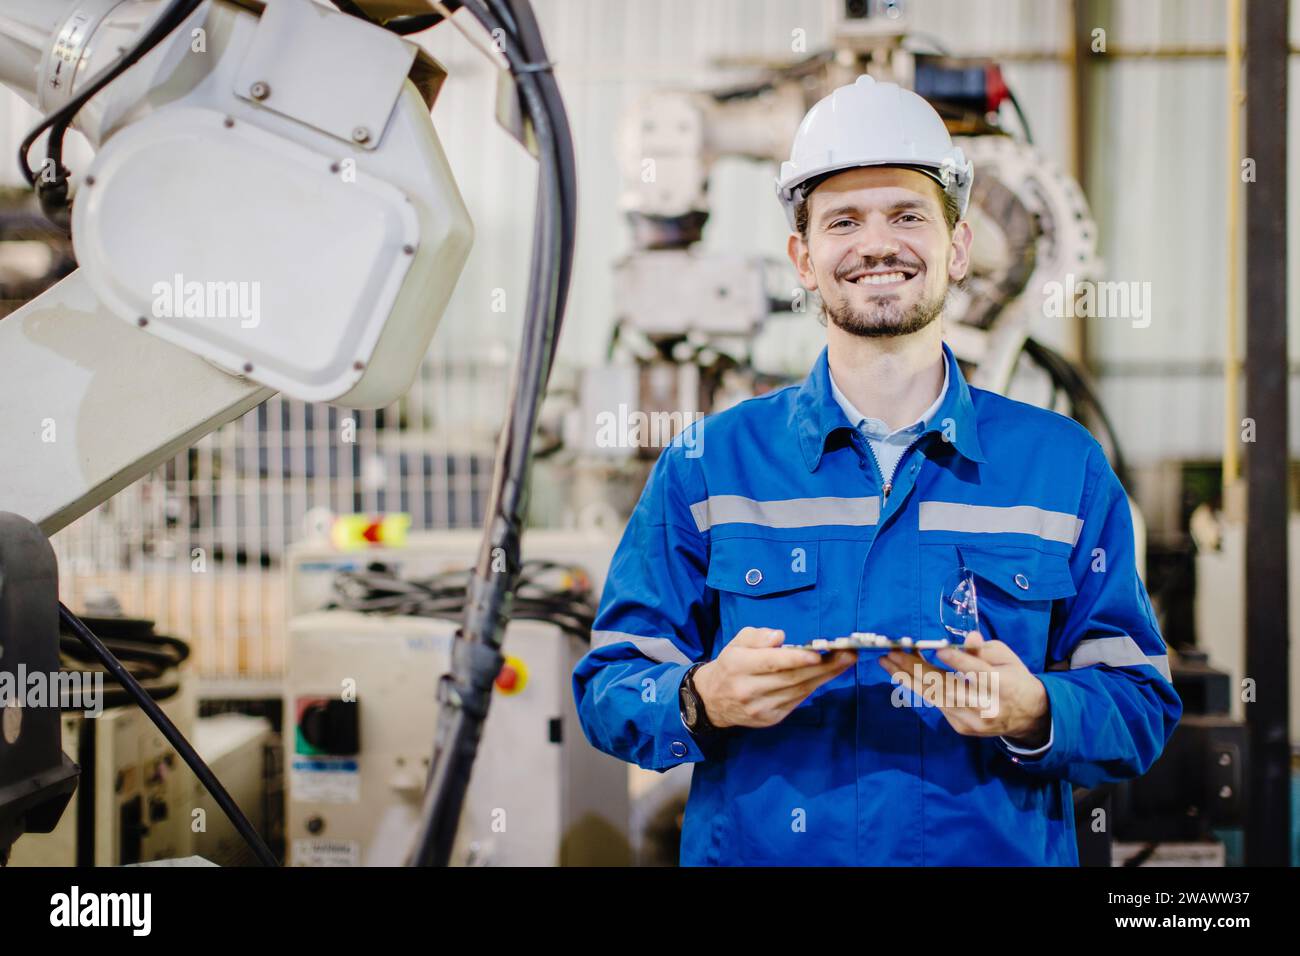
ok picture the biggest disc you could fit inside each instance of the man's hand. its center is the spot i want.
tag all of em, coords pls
(1001, 697)
(755, 683)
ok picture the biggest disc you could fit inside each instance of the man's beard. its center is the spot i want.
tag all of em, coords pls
(886, 318)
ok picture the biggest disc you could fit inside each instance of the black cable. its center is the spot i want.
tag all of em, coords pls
(465, 694)
(564, 137)
(174, 736)
(1083, 398)
(160, 655)
(444, 596)
(119, 697)
(53, 194)
(501, 10)
(1024, 120)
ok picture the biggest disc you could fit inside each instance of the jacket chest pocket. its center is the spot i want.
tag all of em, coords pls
(765, 583)
(1015, 588)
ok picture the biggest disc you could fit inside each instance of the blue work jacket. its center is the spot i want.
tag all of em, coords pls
(774, 514)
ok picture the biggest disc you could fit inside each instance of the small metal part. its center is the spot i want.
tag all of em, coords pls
(361, 135)
(259, 91)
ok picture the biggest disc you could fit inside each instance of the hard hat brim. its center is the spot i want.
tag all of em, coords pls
(792, 193)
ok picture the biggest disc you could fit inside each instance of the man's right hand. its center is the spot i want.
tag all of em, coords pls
(755, 682)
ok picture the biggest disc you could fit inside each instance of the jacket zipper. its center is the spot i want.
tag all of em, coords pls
(887, 486)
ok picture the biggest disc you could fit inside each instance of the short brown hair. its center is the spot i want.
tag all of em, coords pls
(951, 213)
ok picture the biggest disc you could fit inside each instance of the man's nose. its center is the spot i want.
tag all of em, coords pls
(876, 240)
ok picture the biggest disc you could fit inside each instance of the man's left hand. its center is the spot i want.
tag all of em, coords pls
(1001, 698)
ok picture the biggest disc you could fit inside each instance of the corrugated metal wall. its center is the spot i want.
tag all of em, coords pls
(240, 496)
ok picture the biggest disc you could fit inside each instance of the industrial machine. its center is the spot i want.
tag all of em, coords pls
(36, 777)
(1220, 607)
(134, 800)
(1192, 802)
(360, 694)
(269, 208)
(329, 153)
(245, 754)
(313, 566)
(360, 691)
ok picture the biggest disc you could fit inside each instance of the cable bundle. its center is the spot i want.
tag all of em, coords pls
(465, 693)
(546, 591)
(151, 659)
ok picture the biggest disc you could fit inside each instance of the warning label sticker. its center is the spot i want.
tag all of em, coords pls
(326, 853)
(325, 780)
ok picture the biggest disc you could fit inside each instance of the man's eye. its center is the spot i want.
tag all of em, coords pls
(913, 217)
(841, 222)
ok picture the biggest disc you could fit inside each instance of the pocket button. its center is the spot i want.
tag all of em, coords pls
(1022, 582)
(753, 577)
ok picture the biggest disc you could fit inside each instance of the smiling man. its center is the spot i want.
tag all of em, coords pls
(872, 498)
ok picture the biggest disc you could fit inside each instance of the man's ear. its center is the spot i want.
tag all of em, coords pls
(959, 252)
(797, 250)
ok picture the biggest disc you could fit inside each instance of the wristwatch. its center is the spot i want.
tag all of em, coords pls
(694, 716)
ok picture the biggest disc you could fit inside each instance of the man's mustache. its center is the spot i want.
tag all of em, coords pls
(867, 265)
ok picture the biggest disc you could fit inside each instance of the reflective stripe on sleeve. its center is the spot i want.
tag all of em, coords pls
(1117, 652)
(659, 649)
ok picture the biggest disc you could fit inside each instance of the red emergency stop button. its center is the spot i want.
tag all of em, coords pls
(513, 676)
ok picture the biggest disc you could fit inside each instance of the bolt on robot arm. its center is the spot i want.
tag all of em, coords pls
(269, 209)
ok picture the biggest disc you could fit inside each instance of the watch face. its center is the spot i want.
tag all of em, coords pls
(688, 706)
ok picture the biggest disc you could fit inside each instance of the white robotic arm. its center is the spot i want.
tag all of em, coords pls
(269, 208)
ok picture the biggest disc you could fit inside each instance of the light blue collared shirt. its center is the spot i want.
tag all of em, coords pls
(888, 448)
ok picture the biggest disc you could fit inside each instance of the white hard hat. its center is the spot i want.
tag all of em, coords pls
(873, 124)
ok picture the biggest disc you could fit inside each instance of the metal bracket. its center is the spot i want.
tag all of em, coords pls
(332, 72)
